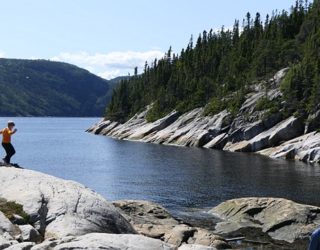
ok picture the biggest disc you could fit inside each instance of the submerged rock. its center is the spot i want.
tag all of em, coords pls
(58, 207)
(281, 219)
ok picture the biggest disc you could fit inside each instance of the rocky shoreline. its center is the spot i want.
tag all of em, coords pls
(254, 129)
(61, 214)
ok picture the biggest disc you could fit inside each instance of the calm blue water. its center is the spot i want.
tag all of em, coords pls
(178, 178)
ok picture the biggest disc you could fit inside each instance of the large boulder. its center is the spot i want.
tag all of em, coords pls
(148, 218)
(59, 208)
(281, 219)
(105, 241)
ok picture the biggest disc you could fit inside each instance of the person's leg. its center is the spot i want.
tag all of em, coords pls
(6, 148)
(11, 152)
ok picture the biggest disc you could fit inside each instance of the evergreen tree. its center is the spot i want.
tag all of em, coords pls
(217, 70)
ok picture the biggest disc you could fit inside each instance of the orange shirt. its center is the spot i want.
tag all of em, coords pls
(6, 135)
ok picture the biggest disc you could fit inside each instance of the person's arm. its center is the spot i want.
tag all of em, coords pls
(12, 132)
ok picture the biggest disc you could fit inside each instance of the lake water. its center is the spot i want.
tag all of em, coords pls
(180, 179)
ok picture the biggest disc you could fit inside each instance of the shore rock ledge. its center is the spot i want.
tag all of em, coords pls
(281, 219)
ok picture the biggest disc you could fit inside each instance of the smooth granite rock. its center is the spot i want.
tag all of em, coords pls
(59, 207)
(105, 241)
(304, 148)
(290, 128)
(148, 218)
(281, 219)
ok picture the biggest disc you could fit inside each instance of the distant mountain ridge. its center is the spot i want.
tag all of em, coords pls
(48, 88)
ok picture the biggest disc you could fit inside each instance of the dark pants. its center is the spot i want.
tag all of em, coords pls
(9, 150)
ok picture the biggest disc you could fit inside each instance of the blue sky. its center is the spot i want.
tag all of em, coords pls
(110, 37)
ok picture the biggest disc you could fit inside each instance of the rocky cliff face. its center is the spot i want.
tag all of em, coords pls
(255, 128)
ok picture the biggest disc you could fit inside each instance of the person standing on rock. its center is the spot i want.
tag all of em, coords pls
(6, 141)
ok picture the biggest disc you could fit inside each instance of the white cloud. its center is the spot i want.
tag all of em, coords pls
(2, 54)
(111, 64)
(110, 74)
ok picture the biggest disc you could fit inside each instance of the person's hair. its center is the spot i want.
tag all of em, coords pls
(11, 123)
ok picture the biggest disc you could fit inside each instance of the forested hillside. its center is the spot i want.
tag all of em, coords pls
(46, 88)
(216, 69)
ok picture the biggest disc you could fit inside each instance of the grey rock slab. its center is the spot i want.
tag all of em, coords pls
(277, 78)
(195, 247)
(285, 130)
(106, 241)
(29, 233)
(205, 237)
(22, 246)
(148, 218)
(201, 130)
(217, 142)
(281, 219)
(160, 124)
(304, 148)
(178, 128)
(179, 234)
(59, 207)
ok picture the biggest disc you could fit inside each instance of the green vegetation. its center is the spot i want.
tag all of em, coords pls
(46, 88)
(9, 208)
(301, 87)
(217, 70)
